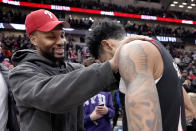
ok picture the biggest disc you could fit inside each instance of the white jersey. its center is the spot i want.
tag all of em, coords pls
(3, 103)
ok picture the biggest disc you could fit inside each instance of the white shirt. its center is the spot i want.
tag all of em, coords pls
(122, 86)
(3, 103)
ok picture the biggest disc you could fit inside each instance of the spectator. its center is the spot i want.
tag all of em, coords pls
(184, 76)
(2, 55)
(3, 104)
(8, 111)
(191, 76)
(194, 56)
(98, 111)
(6, 62)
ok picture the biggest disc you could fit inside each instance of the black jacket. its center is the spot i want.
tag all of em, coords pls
(50, 97)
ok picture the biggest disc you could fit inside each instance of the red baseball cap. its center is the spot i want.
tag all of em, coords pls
(42, 20)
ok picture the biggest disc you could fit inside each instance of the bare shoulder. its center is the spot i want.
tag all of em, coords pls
(141, 52)
(137, 45)
(145, 55)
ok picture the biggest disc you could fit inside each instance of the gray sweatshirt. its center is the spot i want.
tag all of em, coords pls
(50, 97)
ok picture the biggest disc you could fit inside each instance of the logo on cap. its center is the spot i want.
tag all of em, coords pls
(42, 20)
(48, 13)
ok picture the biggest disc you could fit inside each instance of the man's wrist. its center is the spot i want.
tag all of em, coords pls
(112, 64)
(92, 118)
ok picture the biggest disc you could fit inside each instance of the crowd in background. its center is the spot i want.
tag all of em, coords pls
(112, 7)
(157, 29)
(12, 16)
(141, 29)
(186, 61)
(10, 44)
(75, 52)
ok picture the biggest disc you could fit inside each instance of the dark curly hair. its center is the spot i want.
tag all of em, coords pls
(103, 30)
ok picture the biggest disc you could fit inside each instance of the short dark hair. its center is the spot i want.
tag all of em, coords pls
(103, 30)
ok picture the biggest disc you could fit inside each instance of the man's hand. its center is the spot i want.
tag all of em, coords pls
(95, 116)
(115, 58)
(135, 37)
(102, 110)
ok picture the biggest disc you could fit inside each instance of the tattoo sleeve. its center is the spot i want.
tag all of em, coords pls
(141, 98)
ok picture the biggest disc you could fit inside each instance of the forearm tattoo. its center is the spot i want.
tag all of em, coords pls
(141, 99)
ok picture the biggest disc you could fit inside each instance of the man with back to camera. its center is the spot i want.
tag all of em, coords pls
(3, 103)
(8, 111)
(153, 93)
(49, 92)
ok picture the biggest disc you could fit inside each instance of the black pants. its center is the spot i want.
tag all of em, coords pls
(193, 126)
(124, 121)
(115, 118)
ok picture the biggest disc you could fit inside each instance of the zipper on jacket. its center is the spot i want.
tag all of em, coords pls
(51, 121)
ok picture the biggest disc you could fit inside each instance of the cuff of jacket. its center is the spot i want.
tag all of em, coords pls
(110, 113)
(87, 119)
(108, 77)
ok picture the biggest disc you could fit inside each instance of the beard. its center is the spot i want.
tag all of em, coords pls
(51, 55)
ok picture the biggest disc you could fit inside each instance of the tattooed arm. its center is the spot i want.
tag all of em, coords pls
(141, 99)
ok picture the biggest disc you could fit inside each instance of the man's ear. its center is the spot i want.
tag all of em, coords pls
(33, 39)
(106, 45)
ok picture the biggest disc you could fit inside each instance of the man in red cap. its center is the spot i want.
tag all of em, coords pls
(50, 92)
(43, 28)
